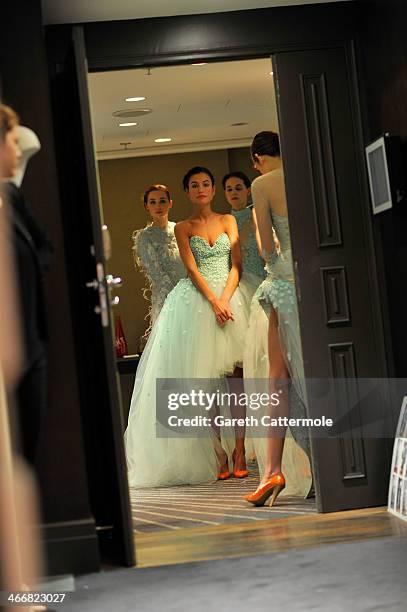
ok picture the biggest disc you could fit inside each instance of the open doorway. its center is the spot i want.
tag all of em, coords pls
(150, 127)
(322, 141)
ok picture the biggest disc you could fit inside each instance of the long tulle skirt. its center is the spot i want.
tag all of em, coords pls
(186, 343)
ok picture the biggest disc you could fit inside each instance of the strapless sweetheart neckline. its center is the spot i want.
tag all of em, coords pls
(206, 241)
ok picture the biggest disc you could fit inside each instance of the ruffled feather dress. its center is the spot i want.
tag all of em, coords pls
(156, 254)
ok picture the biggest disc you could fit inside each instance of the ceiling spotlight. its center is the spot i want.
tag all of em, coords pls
(199, 64)
(162, 139)
(271, 73)
(128, 124)
(136, 99)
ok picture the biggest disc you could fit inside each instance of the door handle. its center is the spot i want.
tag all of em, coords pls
(93, 284)
(102, 285)
(114, 281)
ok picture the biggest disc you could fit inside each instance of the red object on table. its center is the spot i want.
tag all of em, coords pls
(121, 344)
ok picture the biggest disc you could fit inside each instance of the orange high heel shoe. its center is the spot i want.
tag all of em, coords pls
(272, 487)
(224, 475)
(238, 473)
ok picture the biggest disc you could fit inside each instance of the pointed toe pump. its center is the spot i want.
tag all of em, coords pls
(270, 489)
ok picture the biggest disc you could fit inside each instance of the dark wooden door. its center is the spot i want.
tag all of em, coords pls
(329, 229)
(92, 298)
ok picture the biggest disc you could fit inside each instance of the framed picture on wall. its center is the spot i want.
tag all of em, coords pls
(401, 431)
(378, 171)
(384, 166)
(397, 500)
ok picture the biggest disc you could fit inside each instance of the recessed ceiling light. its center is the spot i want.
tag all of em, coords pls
(199, 64)
(271, 73)
(128, 124)
(239, 123)
(136, 99)
(162, 139)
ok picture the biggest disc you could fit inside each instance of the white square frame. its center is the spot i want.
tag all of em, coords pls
(379, 143)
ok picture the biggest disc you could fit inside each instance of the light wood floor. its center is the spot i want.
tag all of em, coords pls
(266, 536)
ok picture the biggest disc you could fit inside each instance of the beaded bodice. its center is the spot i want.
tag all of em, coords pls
(282, 230)
(252, 262)
(280, 264)
(213, 261)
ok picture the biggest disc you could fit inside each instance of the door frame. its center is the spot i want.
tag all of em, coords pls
(106, 51)
(122, 522)
(113, 46)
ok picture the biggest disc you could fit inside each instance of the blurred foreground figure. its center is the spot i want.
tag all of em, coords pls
(20, 562)
(32, 249)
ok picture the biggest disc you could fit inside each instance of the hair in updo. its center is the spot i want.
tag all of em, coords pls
(155, 188)
(196, 170)
(265, 143)
(240, 175)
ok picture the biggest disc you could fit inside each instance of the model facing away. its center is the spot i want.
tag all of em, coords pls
(273, 347)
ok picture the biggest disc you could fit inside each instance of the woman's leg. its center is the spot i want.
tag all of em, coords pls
(221, 454)
(279, 383)
(238, 412)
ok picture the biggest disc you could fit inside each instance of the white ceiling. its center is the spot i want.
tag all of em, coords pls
(193, 105)
(76, 11)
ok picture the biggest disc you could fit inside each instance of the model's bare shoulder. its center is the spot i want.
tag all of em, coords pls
(182, 228)
(228, 219)
(229, 223)
(260, 182)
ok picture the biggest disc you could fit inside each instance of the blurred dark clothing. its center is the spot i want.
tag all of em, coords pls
(32, 251)
(31, 399)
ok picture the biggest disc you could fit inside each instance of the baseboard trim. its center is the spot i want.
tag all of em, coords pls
(71, 547)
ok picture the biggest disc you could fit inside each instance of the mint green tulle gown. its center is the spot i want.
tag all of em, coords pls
(253, 272)
(185, 342)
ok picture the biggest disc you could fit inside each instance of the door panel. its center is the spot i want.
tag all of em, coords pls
(91, 291)
(327, 218)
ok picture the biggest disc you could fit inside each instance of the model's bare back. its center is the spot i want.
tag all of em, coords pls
(269, 199)
(275, 189)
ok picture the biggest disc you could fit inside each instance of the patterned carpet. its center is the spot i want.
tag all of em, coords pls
(207, 505)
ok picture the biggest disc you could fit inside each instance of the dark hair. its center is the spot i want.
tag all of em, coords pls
(240, 175)
(155, 188)
(196, 170)
(8, 120)
(265, 143)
